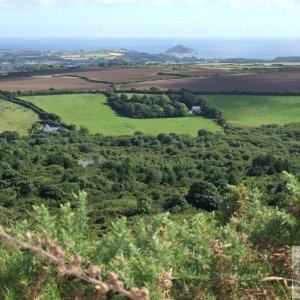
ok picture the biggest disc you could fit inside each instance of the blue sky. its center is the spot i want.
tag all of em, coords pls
(150, 18)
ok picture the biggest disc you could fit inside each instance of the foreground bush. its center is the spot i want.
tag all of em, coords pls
(180, 257)
(52, 254)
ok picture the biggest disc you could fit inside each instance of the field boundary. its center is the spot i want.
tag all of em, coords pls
(228, 93)
(43, 115)
(147, 91)
(75, 69)
(83, 78)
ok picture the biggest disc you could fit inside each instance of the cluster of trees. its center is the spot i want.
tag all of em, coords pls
(146, 106)
(158, 105)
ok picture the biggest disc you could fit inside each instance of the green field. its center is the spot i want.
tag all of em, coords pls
(257, 110)
(93, 112)
(14, 117)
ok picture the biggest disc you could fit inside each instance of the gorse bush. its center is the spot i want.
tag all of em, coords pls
(293, 203)
(203, 195)
(234, 253)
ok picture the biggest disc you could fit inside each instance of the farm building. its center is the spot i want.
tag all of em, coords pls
(86, 162)
(48, 129)
(92, 161)
(196, 110)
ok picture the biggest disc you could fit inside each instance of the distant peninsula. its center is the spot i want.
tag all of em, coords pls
(181, 51)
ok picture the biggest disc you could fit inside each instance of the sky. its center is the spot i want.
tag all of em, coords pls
(150, 18)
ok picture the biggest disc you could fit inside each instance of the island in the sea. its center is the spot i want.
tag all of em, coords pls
(181, 51)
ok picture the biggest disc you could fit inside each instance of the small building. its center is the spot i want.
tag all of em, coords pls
(48, 129)
(196, 110)
(99, 159)
(86, 162)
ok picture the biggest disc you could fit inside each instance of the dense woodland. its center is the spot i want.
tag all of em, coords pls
(219, 210)
(43, 168)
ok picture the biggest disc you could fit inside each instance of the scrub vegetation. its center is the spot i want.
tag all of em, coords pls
(206, 217)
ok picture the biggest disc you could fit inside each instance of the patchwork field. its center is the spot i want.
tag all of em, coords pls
(79, 80)
(257, 110)
(93, 112)
(15, 118)
(258, 83)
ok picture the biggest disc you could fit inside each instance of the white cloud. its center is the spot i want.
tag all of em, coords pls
(238, 4)
(246, 3)
(22, 3)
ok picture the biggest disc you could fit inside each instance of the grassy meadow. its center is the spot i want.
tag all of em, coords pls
(14, 117)
(93, 112)
(257, 110)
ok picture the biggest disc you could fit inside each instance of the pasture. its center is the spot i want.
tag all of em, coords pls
(93, 112)
(14, 117)
(257, 110)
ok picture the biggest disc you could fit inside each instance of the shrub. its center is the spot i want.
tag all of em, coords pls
(51, 192)
(176, 203)
(144, 206)
(203, 195)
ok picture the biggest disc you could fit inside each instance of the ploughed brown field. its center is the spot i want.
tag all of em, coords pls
(63, 80)
(37, 83)
(264, 82)
(124, 74)
(202, 72)
(205, 79)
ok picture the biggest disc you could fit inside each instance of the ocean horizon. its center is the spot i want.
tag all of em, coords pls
(207, 48)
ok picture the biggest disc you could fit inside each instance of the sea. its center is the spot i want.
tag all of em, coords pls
(207, 48)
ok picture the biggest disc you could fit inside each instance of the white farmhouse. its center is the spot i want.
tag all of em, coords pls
(48, 129)
(196, 110)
